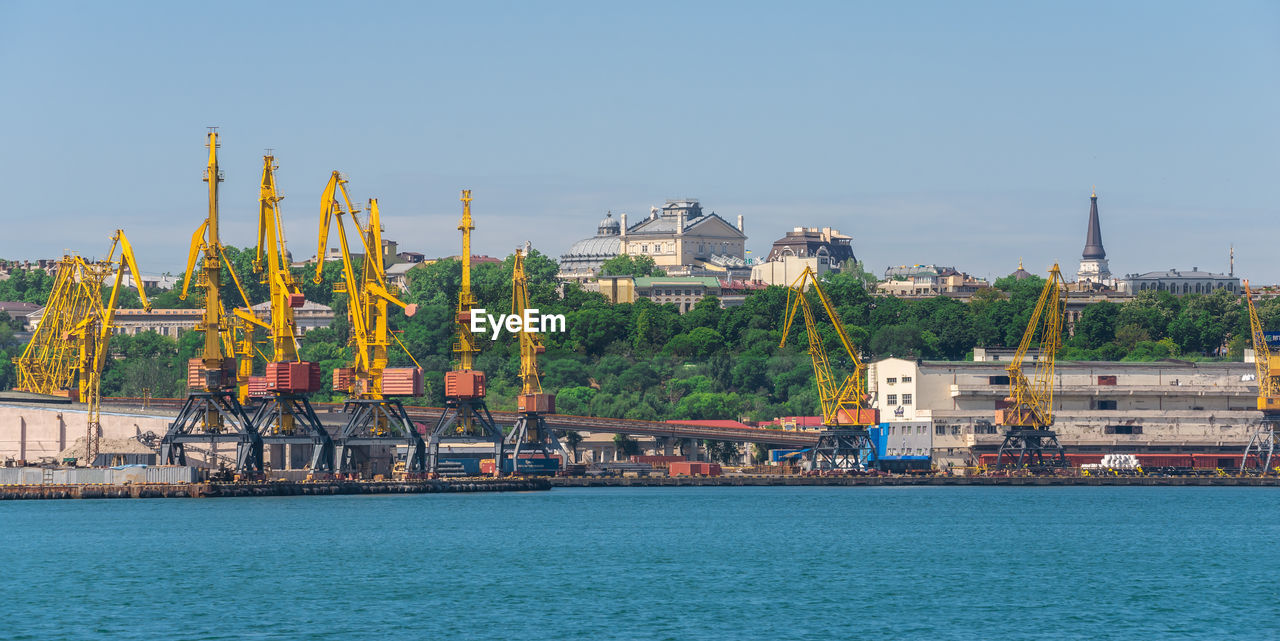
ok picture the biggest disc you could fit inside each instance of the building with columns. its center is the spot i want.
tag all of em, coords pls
(681, 238)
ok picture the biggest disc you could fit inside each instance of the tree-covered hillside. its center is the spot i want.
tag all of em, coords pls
(646, 361)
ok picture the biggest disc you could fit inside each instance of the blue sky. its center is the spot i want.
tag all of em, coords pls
(965, 134)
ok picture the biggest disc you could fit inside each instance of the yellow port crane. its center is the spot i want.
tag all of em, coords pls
(466, 416)
(1028, 441)
(213, 411)
(285, 416)
(530, 429)
(72, 339)
(845, 442)
(375, 417)
(1259, 454)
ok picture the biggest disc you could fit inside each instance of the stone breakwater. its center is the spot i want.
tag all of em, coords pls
(311, 488)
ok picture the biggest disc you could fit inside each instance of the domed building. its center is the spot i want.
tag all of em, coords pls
(681, 238)
(584, 258)
(1021, 273)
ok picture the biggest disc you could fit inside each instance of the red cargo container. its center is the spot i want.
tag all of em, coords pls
(313, 377)
(297, 300)
(865, 416)
(464, 384)
(693, 468)
(258, 387)
(195, 373)
(343, 377)
(293, 378)
(545, 403)
(402, 381)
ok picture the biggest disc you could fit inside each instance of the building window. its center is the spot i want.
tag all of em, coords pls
(892, 400)
(891, 381)
(940, 430)
(906, 399)
(998, 380)
(1106, 405)
(1123, 429)
(906, 379)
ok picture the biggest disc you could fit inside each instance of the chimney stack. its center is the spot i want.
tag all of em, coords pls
(740, 222)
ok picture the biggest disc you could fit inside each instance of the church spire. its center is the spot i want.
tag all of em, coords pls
(1093, 241)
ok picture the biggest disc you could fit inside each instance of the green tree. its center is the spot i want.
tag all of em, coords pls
(626, 446)
(1097, 324)
(628, 265)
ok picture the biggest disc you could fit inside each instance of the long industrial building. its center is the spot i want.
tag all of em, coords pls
(1100, 407)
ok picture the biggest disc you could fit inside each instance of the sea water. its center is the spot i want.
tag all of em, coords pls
(652, 563)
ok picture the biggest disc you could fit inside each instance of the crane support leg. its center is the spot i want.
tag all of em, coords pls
(1259, 458)
(295, 410)
(213, 417)
(1031, 449)
(531, 434)
(380, 422)
(471, 412)
(843, 449)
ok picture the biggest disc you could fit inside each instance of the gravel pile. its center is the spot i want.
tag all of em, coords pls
(105, 446)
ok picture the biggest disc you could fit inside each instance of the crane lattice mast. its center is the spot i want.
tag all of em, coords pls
(845, 443)
(466, 416)
(213, 411)
(1259, 456)
(69, 349)
(374, 416)
(1029, 443)
(530, 430)
(284, 416)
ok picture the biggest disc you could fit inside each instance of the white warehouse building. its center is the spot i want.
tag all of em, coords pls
(1166, 406)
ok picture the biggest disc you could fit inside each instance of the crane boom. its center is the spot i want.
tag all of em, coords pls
(530, 342)
(1031, 400)
(465, 347)
(367, 291)
(1265, 443)
(844, 402)
(1268, 372)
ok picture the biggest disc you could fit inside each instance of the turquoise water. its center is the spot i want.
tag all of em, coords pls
(651, 563)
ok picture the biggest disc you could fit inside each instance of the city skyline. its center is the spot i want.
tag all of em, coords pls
(966, 136)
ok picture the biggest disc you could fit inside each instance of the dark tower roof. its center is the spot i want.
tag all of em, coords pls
(1093, 242)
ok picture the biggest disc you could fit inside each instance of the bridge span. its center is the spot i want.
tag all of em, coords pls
(429, 415)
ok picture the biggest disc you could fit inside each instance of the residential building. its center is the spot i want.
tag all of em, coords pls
(924, 281)
(785, 270)
(20, 311)
(172, 322)
(1106, 407)
(398, 274)
(831, 248)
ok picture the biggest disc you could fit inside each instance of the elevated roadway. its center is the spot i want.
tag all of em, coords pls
(429, 415)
